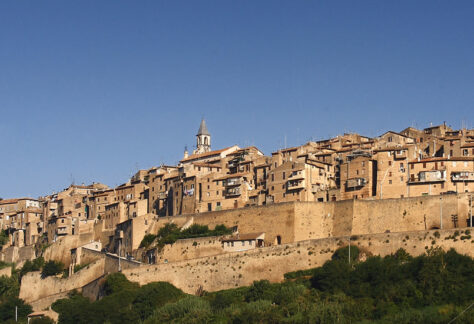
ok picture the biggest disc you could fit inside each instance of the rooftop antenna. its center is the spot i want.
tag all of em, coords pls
(285, 142)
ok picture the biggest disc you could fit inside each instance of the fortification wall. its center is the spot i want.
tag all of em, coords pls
(408, 214)
(14, 254)
(6, 271)
(275, 220)
(111, 263)
(34, 288)
(61, 249)
(190, 249)
(271, 263)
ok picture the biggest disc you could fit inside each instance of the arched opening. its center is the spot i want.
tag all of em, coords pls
(278, 240)
(206, 141)
(199, 140)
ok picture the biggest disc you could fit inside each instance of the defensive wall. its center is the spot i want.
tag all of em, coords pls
(231, 270)
(61, 249)
(45, 291)
(189, 249)
(111, 263)
(296, 221)
(7, 271)
(14, 254)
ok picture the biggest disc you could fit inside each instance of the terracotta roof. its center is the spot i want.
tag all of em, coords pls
(14, 200)
(234, 175)
(9, 201)
(202, 155)
(436, 159)
(243, 237)
(394, 148)
(395, 134)
(286, 150)
(209, 165)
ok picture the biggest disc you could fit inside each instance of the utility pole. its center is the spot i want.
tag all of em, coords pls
(441, 212)
(349, 249)
(470, 210)
(16, 313)
(119, 265)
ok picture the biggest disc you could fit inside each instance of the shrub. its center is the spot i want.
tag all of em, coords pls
(147, 240)
(3, 238)
(154, 295)
(52, 268)
(187, 310)
(42, 320)
(29, 266)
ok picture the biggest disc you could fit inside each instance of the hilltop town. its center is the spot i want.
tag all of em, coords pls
(236, 203)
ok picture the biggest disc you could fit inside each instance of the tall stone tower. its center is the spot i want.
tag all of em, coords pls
(203, 139)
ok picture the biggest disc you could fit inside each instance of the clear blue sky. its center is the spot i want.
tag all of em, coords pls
(91, 90)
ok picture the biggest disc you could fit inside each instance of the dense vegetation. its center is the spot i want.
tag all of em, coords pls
(9, 291)
(3, 238)
(170, 233)
(432, 288)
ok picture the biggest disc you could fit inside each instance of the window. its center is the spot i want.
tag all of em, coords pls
(389, 163)
(390, 174)
(217, 193)
(465, 152)
(389, 181)
(424, 164)
(273, 177)
(412, 166)
(401, 179)
(284, 175)
(218, 204)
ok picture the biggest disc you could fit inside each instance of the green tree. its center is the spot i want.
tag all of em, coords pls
(52, 268)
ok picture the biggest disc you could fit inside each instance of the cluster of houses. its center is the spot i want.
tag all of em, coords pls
(433, 161)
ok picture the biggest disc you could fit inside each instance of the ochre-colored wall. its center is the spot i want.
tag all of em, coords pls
(271, 263)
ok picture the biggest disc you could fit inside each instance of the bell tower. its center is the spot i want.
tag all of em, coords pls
(203, 139)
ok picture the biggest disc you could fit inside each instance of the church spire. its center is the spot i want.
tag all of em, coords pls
(203, 129)
(203, 139)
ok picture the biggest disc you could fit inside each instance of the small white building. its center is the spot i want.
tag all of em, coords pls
(243, 242)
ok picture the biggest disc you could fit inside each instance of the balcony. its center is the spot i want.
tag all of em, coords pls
(462, 176)
(162, 195)
(429, 177)
(232, 192)
(295, 184)
(233, 182)
(296, 175)
(356, 182)
(61, 231)
(400, 154)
